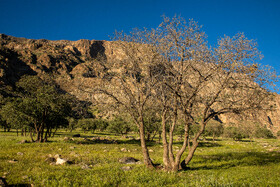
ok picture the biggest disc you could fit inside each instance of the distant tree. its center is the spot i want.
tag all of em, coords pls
(234, 133)
(101, 124)
(214, 129)
(87, 124)
(263, 132)
(119, 126)
(152, 123)
(39, 105)
(73, 124)
(278, 134)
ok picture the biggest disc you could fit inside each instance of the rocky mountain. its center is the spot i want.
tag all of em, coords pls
(75, 64)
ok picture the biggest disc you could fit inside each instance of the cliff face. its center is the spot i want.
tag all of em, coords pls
(75, 64)
(69, 63)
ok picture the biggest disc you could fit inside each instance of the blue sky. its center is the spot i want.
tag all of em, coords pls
(98, 19)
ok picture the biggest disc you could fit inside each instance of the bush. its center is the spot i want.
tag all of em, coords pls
(119, 126)
(262, 132)
(278, 134)
(214, 129)
(234, 133)
(87, 124)
(101, 124)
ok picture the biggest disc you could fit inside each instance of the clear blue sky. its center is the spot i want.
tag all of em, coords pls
(98, 19)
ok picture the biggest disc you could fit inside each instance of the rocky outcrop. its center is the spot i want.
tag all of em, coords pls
(74, 65)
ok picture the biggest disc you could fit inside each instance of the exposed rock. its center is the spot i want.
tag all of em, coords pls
(74, 64)
(123, 149)
(128, 160)
(72, 147)
(24, 177)
(23, 141)
(126, 168)
(84, 166)
(13, 161)
(60, 161)
(66, 138)
(150, 150)
(20, 153)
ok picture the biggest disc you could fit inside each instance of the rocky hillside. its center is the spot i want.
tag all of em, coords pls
(75, 64)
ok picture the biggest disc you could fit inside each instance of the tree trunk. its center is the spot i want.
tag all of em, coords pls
(147, 160)
(31, 135)
(166, 160)
(195, 142)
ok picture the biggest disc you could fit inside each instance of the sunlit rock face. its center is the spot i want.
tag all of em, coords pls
(76, 64)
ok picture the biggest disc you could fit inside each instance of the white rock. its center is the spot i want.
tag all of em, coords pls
(60, 161)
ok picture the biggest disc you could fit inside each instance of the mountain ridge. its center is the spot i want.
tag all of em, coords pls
(72, 64)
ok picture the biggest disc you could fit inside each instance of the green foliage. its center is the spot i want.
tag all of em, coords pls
(214, 129)
(119, 126)
(39, 105)
(152, 125)
(73, 124)
(101, 124)
(262, 132)
(90, 124)
(87, 124)
(234, 133)
(278, 134)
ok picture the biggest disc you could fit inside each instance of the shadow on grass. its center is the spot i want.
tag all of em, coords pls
(228, 160)
(202, 144)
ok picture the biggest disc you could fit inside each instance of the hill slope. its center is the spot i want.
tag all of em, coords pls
(74, 64)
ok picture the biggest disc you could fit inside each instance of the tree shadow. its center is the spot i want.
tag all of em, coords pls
(202, 144)
(228, 160)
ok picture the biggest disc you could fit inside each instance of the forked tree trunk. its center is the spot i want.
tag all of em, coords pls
(195, 142)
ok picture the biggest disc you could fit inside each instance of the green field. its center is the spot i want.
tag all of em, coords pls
(216, 163)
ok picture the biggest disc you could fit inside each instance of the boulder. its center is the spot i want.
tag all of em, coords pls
(123, 149)
(60, 161)
(128, 160)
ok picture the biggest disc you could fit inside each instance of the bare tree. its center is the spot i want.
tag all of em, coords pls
(130, 80)
(203, 82)
(174, 67)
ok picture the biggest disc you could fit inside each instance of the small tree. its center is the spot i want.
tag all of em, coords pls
(87, 124)
(234, 133)
(39, 105)
(263, 132)
(119, 126)
(214, 129)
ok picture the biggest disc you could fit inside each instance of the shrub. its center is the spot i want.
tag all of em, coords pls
(87, 124)
(234, 133)
(262, 132)
(119, 126)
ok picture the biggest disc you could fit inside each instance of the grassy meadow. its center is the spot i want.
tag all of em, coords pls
(216, 163)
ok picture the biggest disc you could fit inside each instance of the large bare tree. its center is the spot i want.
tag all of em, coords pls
(174, 67)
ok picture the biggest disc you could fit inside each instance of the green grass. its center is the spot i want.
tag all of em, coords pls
(219, 163)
